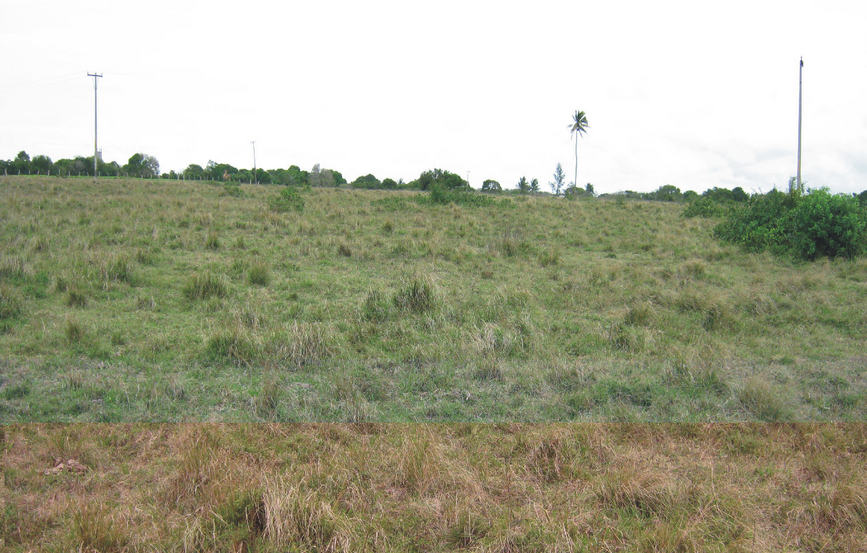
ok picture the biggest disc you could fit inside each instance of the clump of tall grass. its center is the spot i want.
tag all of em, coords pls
(417, 296)
(759, 398)
(10, 303)
(297, 517)
(549, 257)
(205, 285)
(75, 298)
(640, 314)
(212, 242)
(14, 266)
(113, 268)
(74, 332)
(259, 274)
(300, 344)
(234, 344)
(94, 529)
(375, 307)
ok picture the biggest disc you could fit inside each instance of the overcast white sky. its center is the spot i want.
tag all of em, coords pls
(693, 94)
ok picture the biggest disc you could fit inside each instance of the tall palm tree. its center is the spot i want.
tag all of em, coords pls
(579, 126)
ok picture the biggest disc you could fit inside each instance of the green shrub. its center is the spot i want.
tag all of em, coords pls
(828, 225)
(705, 207)
(809, 226)
(461, 196)
(205, 285)
(289, 199)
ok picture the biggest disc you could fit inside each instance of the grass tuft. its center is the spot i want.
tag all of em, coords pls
(212, 242)
(11, 305)
(75, 298)
(74, 332)
(417, 296)
(95, 530)
(759, 398)
(300, 345)
(204, 285)
(259, 274)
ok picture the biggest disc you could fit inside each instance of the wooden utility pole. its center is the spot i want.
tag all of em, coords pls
(95, 144)
(800, 98)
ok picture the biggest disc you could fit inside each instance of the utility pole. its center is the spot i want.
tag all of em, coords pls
(255, 177)
(95, 151)
(800, 97)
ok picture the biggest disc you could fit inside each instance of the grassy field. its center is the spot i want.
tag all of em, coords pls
(430, 487)
(131, 300)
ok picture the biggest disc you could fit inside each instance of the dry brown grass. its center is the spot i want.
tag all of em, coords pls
(492, 488)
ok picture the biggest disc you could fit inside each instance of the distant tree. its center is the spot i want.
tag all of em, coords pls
(339, 180)
(21, 163)
(589, 189)
(559, 180)
(221, 172)
(739, 195)
(667, 193)
(389, 184)
(82, 166)
(439, 177)
(366, 181)
(142, 165)
(112, 169)
(242, 175)
(690, 195)
(491, 185)
(534, 185)
(578, 127)
(297, 177)
(315, 177)
(194, 172)
(571, 192)
(63, 167)
(262, 176)
(523, 185)
(41, 164)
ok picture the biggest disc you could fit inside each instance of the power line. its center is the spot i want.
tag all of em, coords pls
(95, 143)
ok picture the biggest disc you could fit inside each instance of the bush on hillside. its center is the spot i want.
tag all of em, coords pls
(288, 199)
(828, 225)
(462, 196)
(809, 226)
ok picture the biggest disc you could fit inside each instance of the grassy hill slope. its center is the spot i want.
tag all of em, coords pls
(151, 300)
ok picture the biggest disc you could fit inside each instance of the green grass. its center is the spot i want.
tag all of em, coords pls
(182, 302)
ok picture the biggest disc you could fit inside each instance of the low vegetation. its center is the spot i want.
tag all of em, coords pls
(179, 301)
(492, 488)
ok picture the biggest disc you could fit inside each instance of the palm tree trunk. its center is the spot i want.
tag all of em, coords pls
(576, 160)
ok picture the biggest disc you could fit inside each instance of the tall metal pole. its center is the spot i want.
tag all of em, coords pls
(800, 96)
(95, 147)
(255, 177)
